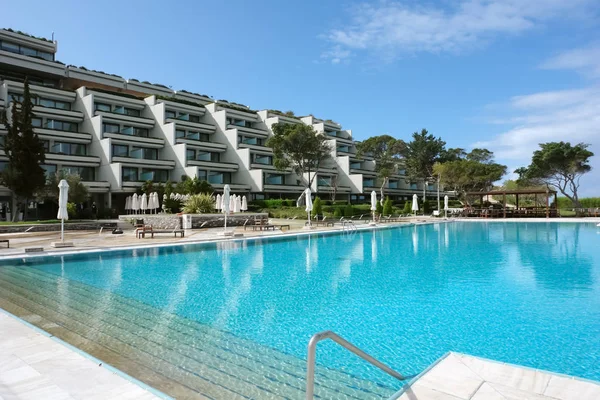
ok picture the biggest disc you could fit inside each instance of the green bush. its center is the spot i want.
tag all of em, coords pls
(71, 210)
(407, 207)
(273, 203)
(337, 213)
(290, 203)
(387, 207)
(317, 207)
(202, 203)
(348, 211)
(379, 209)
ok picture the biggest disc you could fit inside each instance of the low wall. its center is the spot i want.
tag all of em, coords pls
(75, 226)
(173, 221)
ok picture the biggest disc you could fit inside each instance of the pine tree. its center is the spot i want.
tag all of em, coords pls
(24, 175)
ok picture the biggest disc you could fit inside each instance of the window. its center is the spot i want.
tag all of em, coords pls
(401, 172)
(251, 140)
(3, 140)
(36, 122)
(369, 182)
(413, 186)
(393, 185)
(156, 175)
(110, 128)
(74, 149)
(61, 125)
(85, 173)
(219, 177)
(192, 135)
(102, 107)
(355, 165)
(344, 149)
(134, 131)
(430, 186)
(170, 114)
(26, 51)
(126, 111)
(190, 154)
(119, 150)
(239, 122)
(202, 174)
(144, 153)
(203, 156)
(274, 179)
(194, 118)
(262, 159)
(49, 103)
(129, 174)
(49, 169)
(324, 181)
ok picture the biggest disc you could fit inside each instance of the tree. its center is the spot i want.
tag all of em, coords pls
(420, 154)
(299, 147)
(476, 172)
(78, 192)
(388, 207)
(24, 175)
(193, 186)
(317, 207)
(386, 152)
(560, 165)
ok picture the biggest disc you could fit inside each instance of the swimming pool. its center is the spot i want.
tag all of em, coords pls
(233, 319)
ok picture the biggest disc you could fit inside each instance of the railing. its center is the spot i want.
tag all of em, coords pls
(311, 359)
(348, 225)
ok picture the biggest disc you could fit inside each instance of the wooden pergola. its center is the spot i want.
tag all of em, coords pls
(517, 211)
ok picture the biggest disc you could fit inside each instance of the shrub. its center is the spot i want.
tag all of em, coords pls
(202, 203)
(290, 203)
(407, 207)
(71, 210)
(317, 207)
(273, 203)
(348, 211)
(337, 213)
(379, 209)
(387, 207)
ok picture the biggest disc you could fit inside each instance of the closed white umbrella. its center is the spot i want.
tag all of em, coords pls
(154, 200)
(244, 203)
(226, 199)
(135, 204)
(373, 203)
(218, 203)
(446, 206)
(63, 199)
(164, 205)
(238, 204)
(144, 203)
(127, 204)
(415, 204)
(309, 204)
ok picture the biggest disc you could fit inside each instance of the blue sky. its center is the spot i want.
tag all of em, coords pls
(501, 74)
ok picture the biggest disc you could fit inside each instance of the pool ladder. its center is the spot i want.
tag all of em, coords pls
(312, 356)
(348, 225)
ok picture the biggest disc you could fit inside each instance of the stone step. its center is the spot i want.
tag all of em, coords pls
(89, 309)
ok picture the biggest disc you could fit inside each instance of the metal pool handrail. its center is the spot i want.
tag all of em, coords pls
(312, 356)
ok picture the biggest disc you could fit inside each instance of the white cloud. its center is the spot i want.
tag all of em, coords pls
(565, 115)
(585, 60)
(393, 27)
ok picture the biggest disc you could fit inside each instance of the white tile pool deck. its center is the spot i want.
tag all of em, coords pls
(34, 366)
(462, 377)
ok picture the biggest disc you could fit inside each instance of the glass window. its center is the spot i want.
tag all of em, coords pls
(207, 156)
(85, 173)
(46, 56)
(36, 122)
(102, 107)
(132, 112)
(119, 150)
(413, 185)
(133, 131)
(274, 179)
(110, 128)
(190, 154)
(393, 185)
(156, 175)
(170, 114)
(355, 165)
(194, 118)
(324, 181)
(61, 148)
(26, 51)
(13, 48)
(202, 174)
(144, 153)
(193, 135)
(61, 125)
(401, 172)
(49, 169)
(219, 177)
(262, 159)
(179, 133)
(129, 174)
(368, 182)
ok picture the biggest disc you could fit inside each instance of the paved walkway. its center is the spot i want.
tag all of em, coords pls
(34, 366)
(463, 377)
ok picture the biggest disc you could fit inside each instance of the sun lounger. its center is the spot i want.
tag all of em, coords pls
(148, 230)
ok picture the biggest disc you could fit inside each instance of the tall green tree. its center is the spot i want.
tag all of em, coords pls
(24, 175)
(299, 147)
(560, 165)
(475, 172)
(78, 192)
(421, 153)
(386, 152)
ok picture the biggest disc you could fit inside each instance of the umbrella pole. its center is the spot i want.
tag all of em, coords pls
(62, 230)
(225, 222)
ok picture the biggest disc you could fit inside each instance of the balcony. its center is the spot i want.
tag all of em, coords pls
(246, 130)
(75, 137)
(329, 189)
(199, 144)
(86, 76)
(118, 118)
(65, 115)
(136, 162)
(283, 188)
(235, 187)
(77, 160)
(197, 126)
(31, 63)
(97, 186)
(122, 138)
(214, 165)
(363, 171)
(263, 149)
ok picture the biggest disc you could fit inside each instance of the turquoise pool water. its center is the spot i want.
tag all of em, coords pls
(524, 293)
